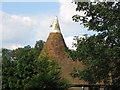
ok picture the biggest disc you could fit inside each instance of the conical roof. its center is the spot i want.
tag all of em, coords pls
(55, 47)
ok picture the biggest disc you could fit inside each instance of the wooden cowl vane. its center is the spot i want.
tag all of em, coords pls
(55, 47)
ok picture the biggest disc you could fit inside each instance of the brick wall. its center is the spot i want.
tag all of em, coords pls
(55, 48)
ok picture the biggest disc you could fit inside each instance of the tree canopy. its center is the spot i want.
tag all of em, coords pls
(99, 52)
(24, 69)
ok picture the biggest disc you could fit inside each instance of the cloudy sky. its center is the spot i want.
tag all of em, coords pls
(23, 23)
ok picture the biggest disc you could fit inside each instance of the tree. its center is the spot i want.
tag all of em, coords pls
(16, 67)
(22, 69)
(38, 47)
(71, 53)
(7, 68)
(5, 72)
(100, 52)
(39, 44)
(47, 75)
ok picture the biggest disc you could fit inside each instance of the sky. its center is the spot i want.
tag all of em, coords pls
(24, 23)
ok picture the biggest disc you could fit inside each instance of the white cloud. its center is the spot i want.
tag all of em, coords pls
(68, 26)
(69, 42)
(0, 32)
(15, 46)
(43, 27)
(24, 30)
(67, 10)
(15, 30)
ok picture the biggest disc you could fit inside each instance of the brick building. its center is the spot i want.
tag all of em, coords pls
(55, 47)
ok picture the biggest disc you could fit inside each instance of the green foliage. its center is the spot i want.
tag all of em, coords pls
(14, 67)
(100, 52)
(22, 69)
(48, 75)
(71, 53)
(99, 16)
(38, 47)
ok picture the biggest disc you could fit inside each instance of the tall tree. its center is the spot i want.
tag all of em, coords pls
(47, 75)
(22, 69)
(100, 52)
(38, 47)
(7, 68)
